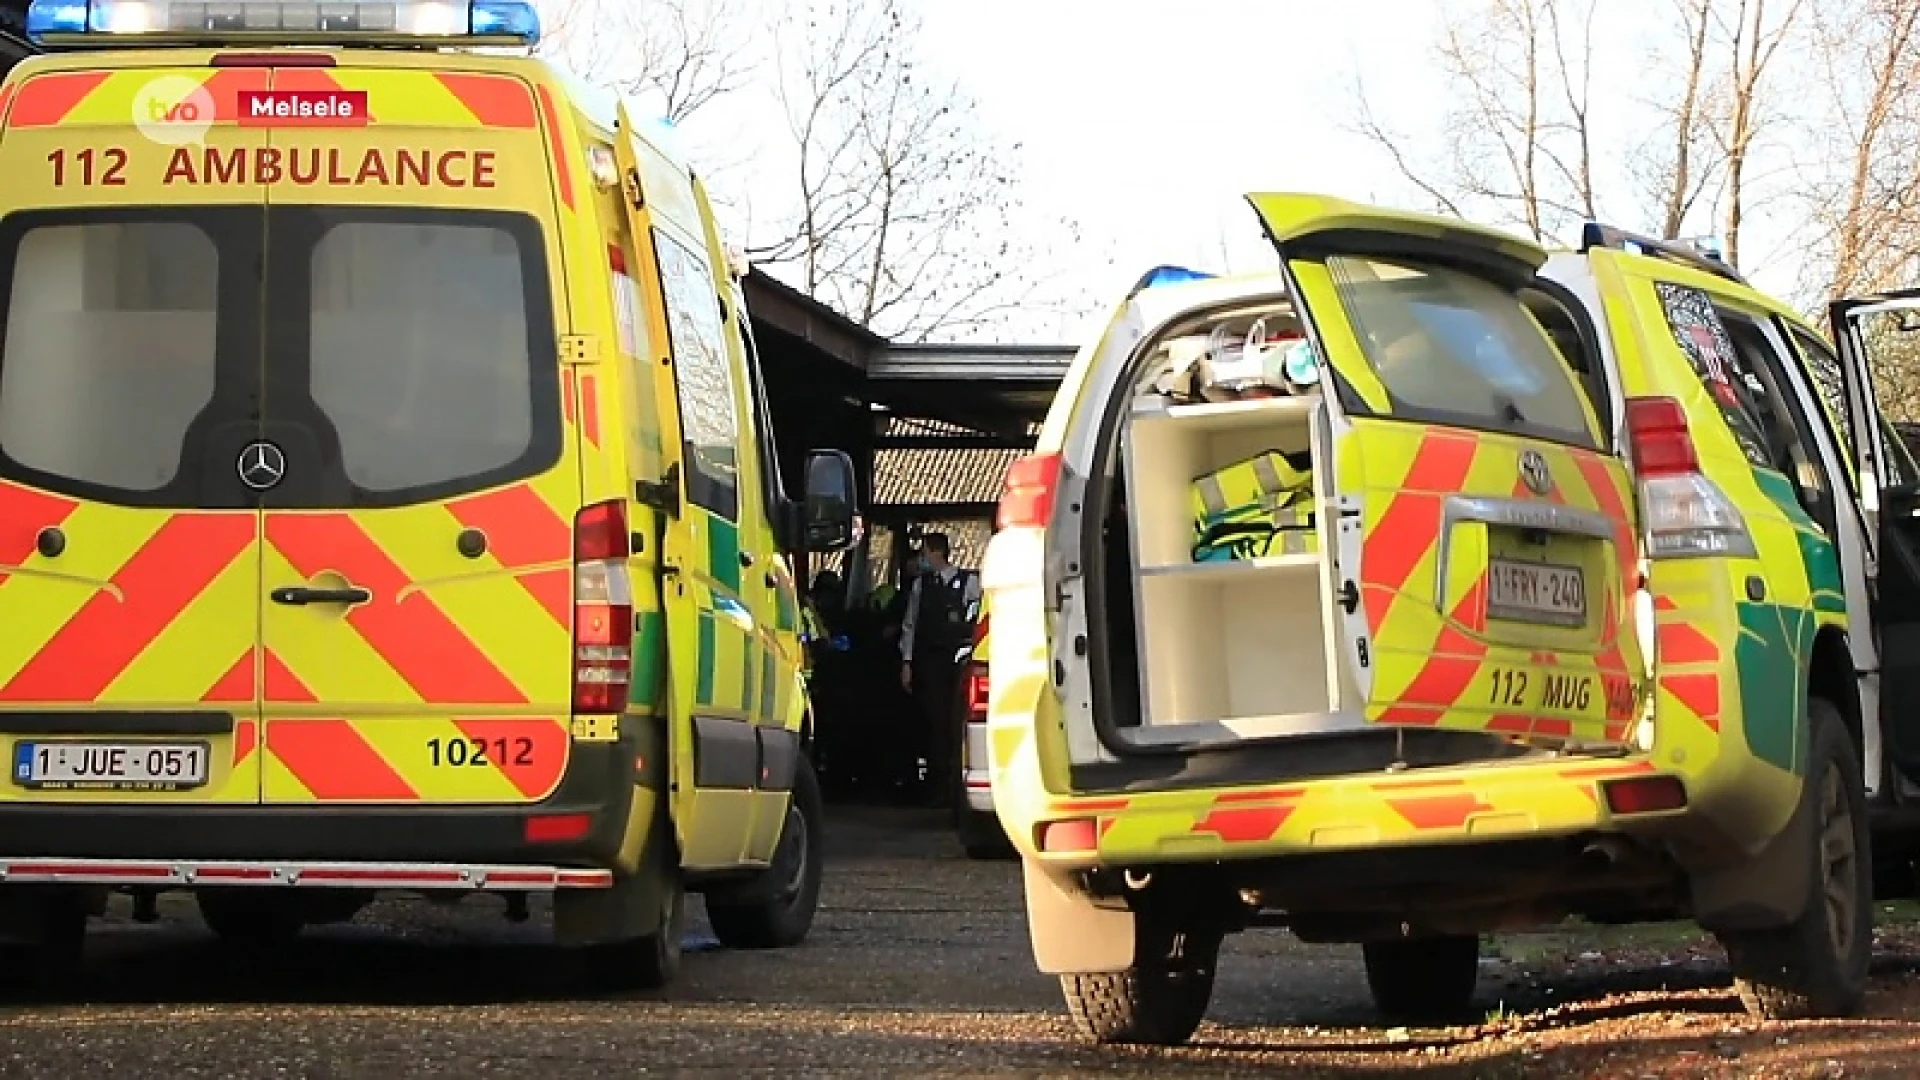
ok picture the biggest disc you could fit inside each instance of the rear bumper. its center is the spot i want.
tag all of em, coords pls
(599, 786)
(1462, 805)
(975, 777)
(189, 873)
(979, 792)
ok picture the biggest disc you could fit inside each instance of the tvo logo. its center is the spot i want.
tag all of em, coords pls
(174, 111)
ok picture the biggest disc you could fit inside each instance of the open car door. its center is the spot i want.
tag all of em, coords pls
(1871, 331)
(1486, 543)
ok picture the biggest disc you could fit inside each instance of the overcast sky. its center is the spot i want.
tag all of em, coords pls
(1147, 121)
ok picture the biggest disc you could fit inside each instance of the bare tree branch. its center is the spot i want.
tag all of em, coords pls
(683, 55)
(903, 214)
(1518, 130)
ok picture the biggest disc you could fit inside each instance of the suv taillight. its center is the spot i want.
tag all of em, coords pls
(602, 610)
(1686, 514)
(1026, 499)
(977, 693)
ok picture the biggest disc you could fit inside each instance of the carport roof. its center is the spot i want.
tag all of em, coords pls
(989, 396)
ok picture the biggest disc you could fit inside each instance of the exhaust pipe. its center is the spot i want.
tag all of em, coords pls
(1603, 853)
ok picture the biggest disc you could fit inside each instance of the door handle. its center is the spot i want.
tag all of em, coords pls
(301, 597)
(746, 559)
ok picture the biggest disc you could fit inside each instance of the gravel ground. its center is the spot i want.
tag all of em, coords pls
(918, 963)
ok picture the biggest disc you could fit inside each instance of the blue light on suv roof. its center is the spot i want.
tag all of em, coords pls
(1169, 275)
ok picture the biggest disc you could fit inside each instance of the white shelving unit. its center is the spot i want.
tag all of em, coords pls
(1233, 649)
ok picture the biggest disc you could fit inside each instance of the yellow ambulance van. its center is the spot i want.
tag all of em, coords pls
(388, 499)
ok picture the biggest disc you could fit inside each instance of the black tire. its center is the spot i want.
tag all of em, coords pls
(982, 837)
(1816, 967)
(776, 911)
(253, 918)
(649, 962)
(1157, 1002)
(1429, 978)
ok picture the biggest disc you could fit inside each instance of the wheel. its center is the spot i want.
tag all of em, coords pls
(776, 911)
(253, 917)
(1160, 1001)
(1816, 967)
(982, 836)
(1430, 978)
(648, 962)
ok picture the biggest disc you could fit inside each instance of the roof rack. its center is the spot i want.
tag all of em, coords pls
(1596, 235)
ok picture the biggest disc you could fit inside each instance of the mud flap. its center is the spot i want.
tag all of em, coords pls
(1770, 889)
(1071, 935)
(635, 906)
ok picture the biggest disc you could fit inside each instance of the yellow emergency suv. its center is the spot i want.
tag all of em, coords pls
(1534, 613)
(388, 499)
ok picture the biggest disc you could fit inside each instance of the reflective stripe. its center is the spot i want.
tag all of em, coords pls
(310, 875)
(1264, 471)
(1211, 496)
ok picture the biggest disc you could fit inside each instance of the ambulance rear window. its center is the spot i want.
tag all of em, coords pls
(1452, 348)
(109, 349)
(419, 351)
(395, 355)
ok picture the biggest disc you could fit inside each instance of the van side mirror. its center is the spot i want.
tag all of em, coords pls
(828, 511)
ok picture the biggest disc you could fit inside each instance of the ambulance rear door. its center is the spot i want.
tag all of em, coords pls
(130, 342)
(1486, 546)
(417, 566)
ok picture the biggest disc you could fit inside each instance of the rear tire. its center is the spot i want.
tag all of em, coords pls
(982, 837)
(1430, 978)
(649, 962)
(1160, 1001)
(1816, 967)
(776, 911)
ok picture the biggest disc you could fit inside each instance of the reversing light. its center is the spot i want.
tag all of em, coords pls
(490, 21)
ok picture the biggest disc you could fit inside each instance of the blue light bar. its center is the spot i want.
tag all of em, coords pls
(1168, 275)
(479, 21)
(56, 17)
(506, 18)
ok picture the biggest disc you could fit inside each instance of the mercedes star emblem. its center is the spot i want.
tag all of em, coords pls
(262, 466)
(1533, 471)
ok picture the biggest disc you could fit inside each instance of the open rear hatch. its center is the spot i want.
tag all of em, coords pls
(1423, 530)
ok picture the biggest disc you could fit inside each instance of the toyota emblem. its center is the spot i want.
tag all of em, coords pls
(1533, 472)
(262, 466)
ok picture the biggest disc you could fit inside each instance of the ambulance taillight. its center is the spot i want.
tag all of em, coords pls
(602, 610)
(1685, 515)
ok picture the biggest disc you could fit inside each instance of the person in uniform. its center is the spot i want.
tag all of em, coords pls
(941, 607)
